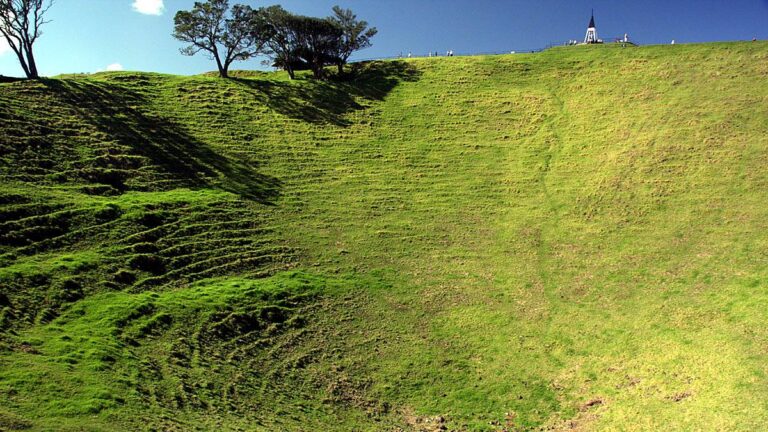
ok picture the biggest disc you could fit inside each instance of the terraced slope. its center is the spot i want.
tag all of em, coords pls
(568, 240)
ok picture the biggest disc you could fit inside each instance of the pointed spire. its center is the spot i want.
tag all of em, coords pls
(591, 37)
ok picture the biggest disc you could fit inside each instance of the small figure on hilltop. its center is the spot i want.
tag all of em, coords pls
(625, 41)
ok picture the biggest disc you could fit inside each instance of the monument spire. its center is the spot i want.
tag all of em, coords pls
(591, 36)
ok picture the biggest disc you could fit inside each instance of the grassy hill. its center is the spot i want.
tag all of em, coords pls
(571, 240)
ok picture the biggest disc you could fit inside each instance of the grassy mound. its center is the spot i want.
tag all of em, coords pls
(567, 240)
(235, 352)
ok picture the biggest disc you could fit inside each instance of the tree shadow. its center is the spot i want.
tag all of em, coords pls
(116, 111)
(329, 102)
(4, 79)
(375, 79)
(124, 114)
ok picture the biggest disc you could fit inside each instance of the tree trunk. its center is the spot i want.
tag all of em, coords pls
(32, 74)
(227, 63)
(222, 68)
(18, 49)
(318, 69)
(23, 63)
(341, 68)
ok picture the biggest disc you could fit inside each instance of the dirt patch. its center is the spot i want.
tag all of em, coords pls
(27, 348)
(677, 397)
(425, 423)
(591, 404)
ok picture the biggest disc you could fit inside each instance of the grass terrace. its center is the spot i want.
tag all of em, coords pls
(570, 240)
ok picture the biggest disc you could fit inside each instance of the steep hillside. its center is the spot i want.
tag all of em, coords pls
(571, 240)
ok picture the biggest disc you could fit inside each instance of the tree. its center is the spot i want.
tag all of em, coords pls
(299, 41)
(283, 44)
(355, 35)
(20, 22)
(207, 27)
(318, 41)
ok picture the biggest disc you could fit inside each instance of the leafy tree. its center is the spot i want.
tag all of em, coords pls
(318, 40)
(299, 41)
(239, 35)
(355, 35)
(20, 22)
(284, 42)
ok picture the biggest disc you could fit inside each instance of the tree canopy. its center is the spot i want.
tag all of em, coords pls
(318, 40)
(283, 43)
(302, 42)
(355, 34)
(292, 42)
(225, 35)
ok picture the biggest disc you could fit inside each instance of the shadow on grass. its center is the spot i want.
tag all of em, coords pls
(329, 102)
(5, 79)
(116, 111)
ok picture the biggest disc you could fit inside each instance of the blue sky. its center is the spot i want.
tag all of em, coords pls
(92, 35)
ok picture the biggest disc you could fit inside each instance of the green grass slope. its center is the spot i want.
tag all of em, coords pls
(571, 240)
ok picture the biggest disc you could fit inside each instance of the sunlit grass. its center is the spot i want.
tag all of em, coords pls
(573, 239)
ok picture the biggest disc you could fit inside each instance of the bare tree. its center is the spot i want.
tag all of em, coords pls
(20, 22)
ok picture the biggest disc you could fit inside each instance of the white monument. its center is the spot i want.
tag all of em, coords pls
(591, 37)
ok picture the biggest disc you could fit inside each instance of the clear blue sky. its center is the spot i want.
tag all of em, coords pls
(89, 35)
